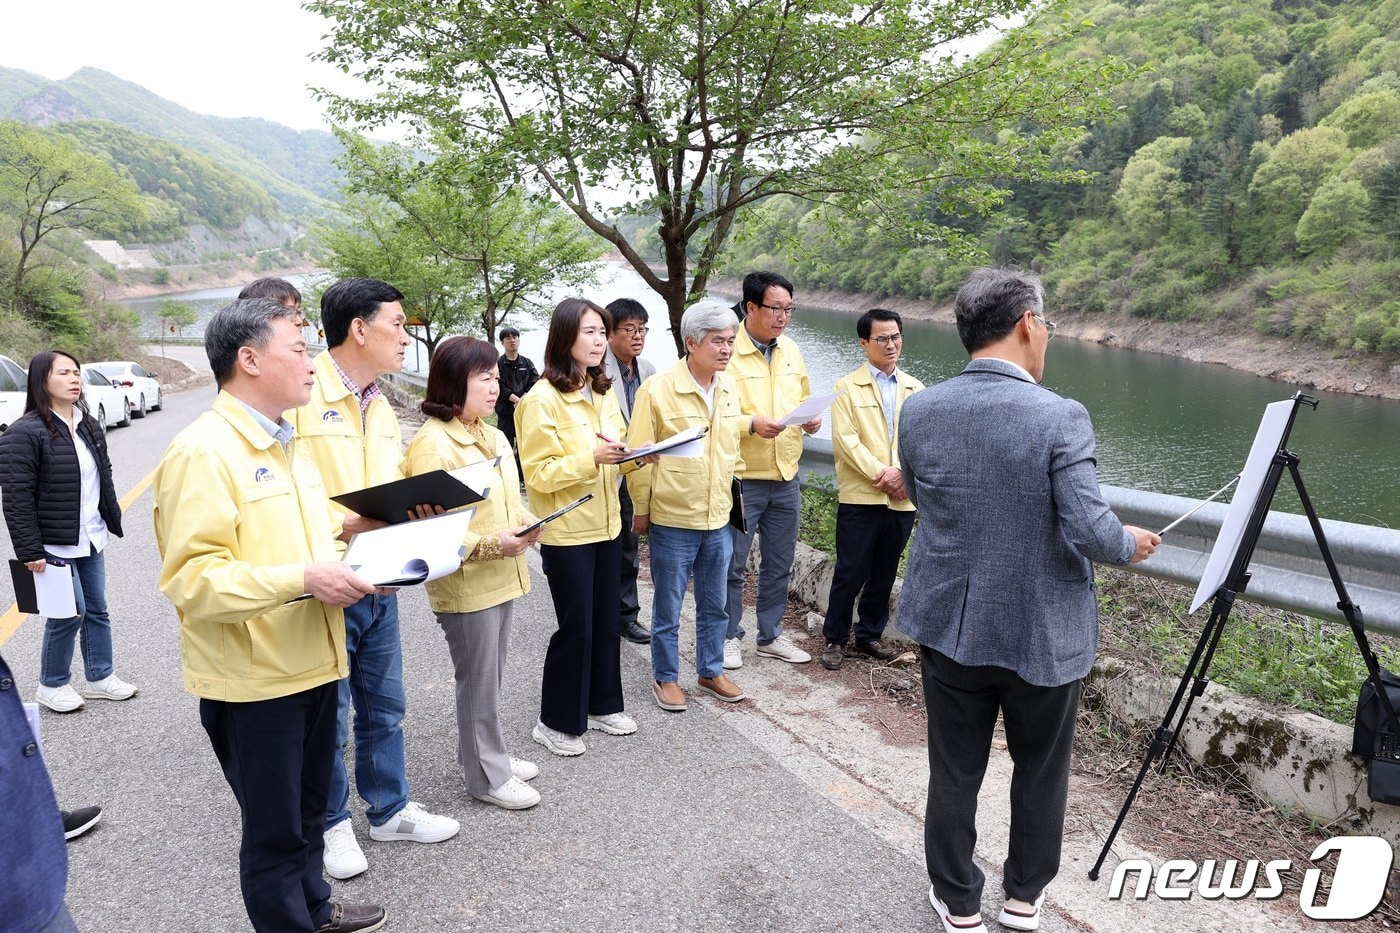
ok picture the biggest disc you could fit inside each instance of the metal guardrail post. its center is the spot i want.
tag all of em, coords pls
(1288, 572)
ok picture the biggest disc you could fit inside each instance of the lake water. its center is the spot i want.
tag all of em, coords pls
(1164, 424)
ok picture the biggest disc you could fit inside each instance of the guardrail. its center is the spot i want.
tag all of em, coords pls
(1287, 569)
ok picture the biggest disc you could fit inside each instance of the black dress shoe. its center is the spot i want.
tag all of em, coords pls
(878, 650)
(635, 633)
(832, 656)
(353, 918)
(76, 822)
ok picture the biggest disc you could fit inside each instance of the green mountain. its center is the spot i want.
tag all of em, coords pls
(1252, 180)
(294, 167)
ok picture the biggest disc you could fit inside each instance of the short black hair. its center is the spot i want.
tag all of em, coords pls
(627, 309)
(279, 290)
(991, 301)
(866, 323)
(507, 332)
(756, 285)
(349, 299)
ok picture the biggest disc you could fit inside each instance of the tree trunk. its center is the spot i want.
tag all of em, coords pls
(675, 288)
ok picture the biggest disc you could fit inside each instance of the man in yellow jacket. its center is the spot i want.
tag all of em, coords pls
(772, 380)
(349, 429)
(683, 502)
(244, 528)
(874, 516)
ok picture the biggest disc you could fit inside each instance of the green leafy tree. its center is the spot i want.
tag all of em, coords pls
(1336, 213)
(47, 185)
(468, 249)
(692, 112)
(1151, 190)
(171, 316)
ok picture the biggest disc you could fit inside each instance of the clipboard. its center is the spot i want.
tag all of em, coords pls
(689, 436)
(49, 595)
(391, 502)
(555, 514)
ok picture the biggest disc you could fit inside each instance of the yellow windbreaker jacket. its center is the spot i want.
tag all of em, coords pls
(236, 521)
(772, 390)
(557, 433)
(350, 455)
(477, 585)
(860, 436)
(686, 492)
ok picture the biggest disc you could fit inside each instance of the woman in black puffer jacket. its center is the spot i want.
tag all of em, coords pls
(61, 508)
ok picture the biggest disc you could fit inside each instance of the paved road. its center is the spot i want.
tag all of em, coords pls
(786, 813)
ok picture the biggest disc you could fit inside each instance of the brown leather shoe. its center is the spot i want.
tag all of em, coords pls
(721, 688)
(669, 695)
(353, 918)
(878, 650)
(832, 656)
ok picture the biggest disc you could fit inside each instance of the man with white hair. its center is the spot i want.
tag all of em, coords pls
(683, 502)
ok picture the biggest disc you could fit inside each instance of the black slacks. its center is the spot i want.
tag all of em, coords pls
(962, 712)
(582, 665)
(276, 755)
(869, 541)
(630, 560)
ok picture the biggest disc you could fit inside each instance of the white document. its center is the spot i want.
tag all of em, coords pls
(808, 410)
(54, 591)
(688, 443)
(411, 552)
(1256, 469)
(480, 476)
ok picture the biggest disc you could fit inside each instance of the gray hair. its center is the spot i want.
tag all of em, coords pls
(243, 322)
(991, 301)
(705, 316)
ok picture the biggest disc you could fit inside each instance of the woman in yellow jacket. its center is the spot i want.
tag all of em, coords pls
(568, 428)
(474, 606)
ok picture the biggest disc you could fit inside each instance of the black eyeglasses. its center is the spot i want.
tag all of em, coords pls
(634, 330)
(885, 340)
(785, 309)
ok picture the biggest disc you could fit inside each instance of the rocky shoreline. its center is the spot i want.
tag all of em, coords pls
(1246, 351)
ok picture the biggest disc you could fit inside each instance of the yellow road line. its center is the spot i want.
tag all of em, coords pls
(9, 622)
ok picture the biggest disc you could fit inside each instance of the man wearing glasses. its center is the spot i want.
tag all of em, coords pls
(625, 366)
(874, 516)
(772, 380)
(999, 593)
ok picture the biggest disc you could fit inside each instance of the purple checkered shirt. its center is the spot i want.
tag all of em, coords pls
(365, 397)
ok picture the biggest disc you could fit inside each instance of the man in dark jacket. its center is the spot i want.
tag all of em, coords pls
(517, 375)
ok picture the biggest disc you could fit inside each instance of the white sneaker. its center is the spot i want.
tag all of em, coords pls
(59, 699)
(560, 743)
(525, 770)
(733, 659)
(613, 723)
(110, 687)
(415, 824)
(514, 794)
(343, 857)
(784, 650)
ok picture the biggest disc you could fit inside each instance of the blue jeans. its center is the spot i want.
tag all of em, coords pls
(771, 508)
(90, 591)
(376, 685)
(676, 553)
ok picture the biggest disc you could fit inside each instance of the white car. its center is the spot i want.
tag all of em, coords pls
(140, 385)
(13, 388)
(105, 402)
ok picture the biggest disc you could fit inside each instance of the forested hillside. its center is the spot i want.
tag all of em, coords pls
(1252, 180)
(295, 167)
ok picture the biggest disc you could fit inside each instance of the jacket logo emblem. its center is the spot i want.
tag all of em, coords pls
(263, 474)
(331, 416)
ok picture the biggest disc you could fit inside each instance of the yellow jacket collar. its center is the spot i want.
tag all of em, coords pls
(232, 411)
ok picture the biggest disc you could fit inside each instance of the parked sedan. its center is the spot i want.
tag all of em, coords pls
(13, 385)
(107, 403)
(140, 385)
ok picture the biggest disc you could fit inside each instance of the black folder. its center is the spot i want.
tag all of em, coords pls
(392, 502)
(25, 596)
(736, 508)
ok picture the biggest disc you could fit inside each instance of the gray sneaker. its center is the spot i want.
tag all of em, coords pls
(560, 743)
(733, 654)
(784, 650)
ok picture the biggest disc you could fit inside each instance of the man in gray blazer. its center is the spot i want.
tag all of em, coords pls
(625, 366)
(999, 592)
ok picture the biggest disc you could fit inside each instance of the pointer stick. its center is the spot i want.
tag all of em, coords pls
(1199, 507)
